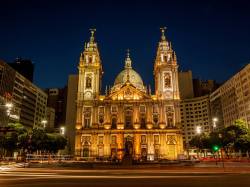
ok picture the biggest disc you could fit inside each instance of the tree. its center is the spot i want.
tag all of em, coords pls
(9, 141)
(55, 142)
(38, 139)
(242, 143)
(215, 141)
(235, 137)
(200, 142)
(19, 139)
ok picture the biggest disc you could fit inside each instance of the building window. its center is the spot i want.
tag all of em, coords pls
(88, 82)
(114, 122)
(113, 140)
(128, 117)
(155, 120)
(170, 116)
(101, 114)
(156, 139)
(143, 122)
(90, 59)
(100, 140)
(142, 109)
(113, 109)
(143, 139)
(155, 109)
(87, 117)
(167, 80)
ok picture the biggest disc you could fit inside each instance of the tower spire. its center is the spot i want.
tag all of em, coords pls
(128, 60)
(127, 65)
(92, 31)
(163, 37)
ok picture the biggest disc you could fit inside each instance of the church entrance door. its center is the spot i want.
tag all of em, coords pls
(128, 146)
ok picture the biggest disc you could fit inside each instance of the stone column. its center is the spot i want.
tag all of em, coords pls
(136, 120)
(137, 145)
(78, 144)
(149, 116)
(107, 116)
(163, 145)
(162, 122)
(120, 145)
(106, 142)
(120, 117)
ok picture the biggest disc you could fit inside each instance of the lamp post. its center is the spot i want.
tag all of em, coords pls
(214, 123)
(9, 106)
(198, 130)
(62, 130)
(44, 122)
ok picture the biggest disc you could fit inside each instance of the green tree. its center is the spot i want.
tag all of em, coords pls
(10, 139)
(200, 142)
(215, 140)
(38, 139)
(242, 143)
(55, 142)
(234, 137)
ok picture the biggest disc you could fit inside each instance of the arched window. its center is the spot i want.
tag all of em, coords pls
(85, 152)
(128, 117)
(143, 122)
(113, 122)
(87, 117)
(170, 119)
(155, 120)
(88, 82)
(167, 80)
(90, 59)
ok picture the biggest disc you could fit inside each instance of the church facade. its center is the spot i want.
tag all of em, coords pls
(128, 119)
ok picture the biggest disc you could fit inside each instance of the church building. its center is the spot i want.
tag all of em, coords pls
(128, 120)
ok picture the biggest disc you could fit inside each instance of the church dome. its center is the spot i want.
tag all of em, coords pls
(134, 78)
(128, 74)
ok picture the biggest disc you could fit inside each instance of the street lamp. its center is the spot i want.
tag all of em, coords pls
(44, 122)
(9, 106)
(214, 122)
(198, 129)
(62, 130)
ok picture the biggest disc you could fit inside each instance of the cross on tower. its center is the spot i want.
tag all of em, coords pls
(163, 29)
(92, 31)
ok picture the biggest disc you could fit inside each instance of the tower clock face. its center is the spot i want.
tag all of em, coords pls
(168, 94)
(88, 95)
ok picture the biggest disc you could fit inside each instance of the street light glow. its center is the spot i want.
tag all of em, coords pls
(214, 122)
(198, 129)
(9, 105)
(44, 122)
(62, 130)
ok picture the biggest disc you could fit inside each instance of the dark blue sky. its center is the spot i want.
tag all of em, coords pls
(210, 38)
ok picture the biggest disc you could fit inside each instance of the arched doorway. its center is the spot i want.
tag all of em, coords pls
(85, 150)
(144, 154)
(128, 146)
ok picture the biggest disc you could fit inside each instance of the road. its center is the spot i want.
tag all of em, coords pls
(28, 177)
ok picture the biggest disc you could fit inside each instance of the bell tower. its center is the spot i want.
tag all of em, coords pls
(166, 70)
(90, 71)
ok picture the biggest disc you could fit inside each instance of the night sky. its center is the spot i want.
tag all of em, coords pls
(210, 38)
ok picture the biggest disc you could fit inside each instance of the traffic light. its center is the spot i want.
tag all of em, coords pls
(216, 148)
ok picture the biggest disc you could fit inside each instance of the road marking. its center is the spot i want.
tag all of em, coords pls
(41, 176)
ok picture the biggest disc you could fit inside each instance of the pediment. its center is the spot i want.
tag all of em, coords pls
(128, 92)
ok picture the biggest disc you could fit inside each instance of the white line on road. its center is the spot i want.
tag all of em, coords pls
(33, 177)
